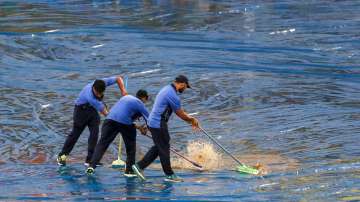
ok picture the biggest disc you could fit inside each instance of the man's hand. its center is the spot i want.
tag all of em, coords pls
(194, 123)
(104, 112)
(191, 120)
(143, 129)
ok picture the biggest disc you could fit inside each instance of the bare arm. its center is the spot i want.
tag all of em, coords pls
(184, 116)
(121, 85)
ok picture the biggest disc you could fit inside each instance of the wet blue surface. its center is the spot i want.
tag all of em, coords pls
(277, 77)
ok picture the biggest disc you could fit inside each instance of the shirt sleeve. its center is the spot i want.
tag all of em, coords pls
(174, 102)
(144, 112)
(98, 105)
(109, 81)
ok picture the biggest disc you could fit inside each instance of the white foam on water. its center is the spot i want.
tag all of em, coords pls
(283, 31)
(234, 11)
(289, 130)
(51, 31)
(195, 113)
(98, 46)
(268, 185)
(161, 16)
(336, 48)
(45, 106)
(145, 72)
(202, 153)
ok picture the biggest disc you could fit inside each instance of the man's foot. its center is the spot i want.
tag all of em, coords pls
(61, 160)
(90, 171)
(138, 172)
(130, 174)
(87, 164)
(173, 178)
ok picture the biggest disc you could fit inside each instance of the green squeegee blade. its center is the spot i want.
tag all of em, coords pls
(247, 169)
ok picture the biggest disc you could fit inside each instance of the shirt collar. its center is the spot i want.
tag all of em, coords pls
(173, 86)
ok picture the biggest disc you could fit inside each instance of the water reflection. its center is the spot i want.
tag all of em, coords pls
(71, 178)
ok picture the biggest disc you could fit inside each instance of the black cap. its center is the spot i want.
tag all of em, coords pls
(182, 79)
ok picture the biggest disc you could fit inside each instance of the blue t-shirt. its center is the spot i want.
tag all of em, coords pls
(87, 96)
(166, 102)
(127, 109)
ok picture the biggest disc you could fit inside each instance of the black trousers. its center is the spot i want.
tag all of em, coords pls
(109, 131)
(84, 115)
(161, 148)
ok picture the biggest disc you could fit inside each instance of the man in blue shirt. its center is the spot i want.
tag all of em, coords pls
(121, 119)
(87, 106)
(166, 102)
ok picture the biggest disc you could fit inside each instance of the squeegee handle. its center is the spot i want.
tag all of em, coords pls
(223, 148)
(182, 156)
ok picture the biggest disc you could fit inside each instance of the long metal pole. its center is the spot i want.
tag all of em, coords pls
(223, 148)
(182, 156)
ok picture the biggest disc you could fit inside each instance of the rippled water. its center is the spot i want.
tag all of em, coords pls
(277, 82)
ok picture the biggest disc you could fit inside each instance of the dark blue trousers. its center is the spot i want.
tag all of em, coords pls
(109, 131)
(84, 115)
(161, 148)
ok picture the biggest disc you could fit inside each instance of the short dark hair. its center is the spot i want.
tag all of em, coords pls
(142, 94)
(99, 86)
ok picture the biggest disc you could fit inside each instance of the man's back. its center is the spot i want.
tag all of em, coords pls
(127, 109)
(166, 102)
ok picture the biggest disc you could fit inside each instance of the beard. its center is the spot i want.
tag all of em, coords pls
(100, 98)
(181, 90)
